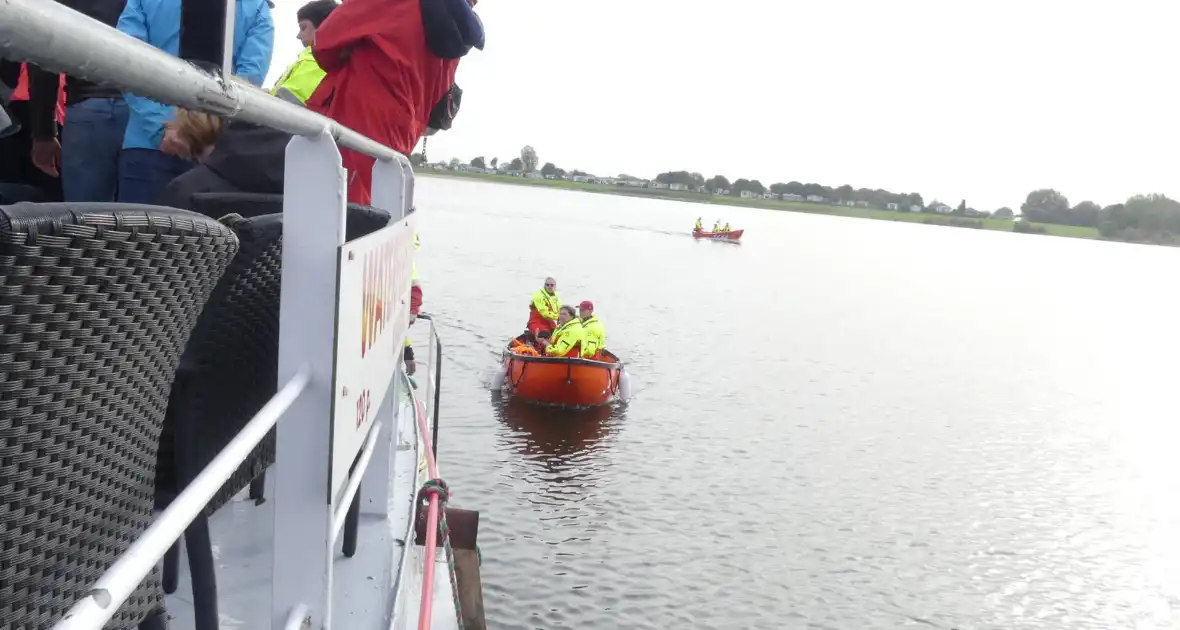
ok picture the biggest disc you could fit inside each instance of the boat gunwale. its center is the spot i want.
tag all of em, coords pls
(528, 358)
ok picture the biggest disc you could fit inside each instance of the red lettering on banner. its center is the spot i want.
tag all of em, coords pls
(382, 289)
(363, 404)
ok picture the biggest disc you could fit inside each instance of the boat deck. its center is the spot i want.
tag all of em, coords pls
(363, 586)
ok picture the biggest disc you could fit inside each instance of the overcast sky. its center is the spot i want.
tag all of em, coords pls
(977, 99)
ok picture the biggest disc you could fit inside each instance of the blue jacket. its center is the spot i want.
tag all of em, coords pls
(157, 22)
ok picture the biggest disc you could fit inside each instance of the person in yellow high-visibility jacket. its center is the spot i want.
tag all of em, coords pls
(593, 332)
(699, 226)
(566, 340)
(543, 309)
(302, 77)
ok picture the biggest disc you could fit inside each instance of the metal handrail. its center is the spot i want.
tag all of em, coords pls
(121, 580)
(60, 39)
(436, 364)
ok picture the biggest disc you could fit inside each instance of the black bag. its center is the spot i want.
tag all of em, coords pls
(445, 109)
(452, 28)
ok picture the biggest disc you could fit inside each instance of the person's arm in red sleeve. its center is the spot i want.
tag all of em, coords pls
(348, 24)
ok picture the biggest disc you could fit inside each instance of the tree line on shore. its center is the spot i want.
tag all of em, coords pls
(1151, 218)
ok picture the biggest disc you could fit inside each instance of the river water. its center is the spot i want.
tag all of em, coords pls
(840, 423)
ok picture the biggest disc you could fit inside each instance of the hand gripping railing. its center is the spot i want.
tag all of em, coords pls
(117, 584)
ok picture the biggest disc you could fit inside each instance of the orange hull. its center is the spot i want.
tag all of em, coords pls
(562, 382)
(735, 235)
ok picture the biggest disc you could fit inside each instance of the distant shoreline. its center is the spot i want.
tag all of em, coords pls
(988, 223)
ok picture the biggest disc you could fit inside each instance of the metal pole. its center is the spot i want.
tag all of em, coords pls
(227, 37)
(60, 39)
(437, 386)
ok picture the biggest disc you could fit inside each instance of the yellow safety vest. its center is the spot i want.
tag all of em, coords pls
(301, 77)
(565, 337)
(593, 336)
(547, 305)
(414, 265)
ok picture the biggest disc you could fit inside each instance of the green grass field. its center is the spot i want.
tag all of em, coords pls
(1000, 225)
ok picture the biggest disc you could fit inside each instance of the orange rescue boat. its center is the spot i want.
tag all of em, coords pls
(560, 381)
(732, 236)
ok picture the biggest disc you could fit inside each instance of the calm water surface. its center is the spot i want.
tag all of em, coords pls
(838, 424)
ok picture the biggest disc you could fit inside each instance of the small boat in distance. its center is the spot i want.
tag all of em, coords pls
(559, 381)
(732, 236)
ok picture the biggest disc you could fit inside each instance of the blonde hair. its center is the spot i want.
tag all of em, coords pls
(199, 131)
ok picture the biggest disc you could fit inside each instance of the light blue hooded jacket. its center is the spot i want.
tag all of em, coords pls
(157, 22)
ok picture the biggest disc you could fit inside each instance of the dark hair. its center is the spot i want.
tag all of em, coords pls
(569, 309)
(316, 11)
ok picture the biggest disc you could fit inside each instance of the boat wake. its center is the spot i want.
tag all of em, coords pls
(649, 230)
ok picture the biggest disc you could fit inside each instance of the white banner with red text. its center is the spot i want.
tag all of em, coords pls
(372, 319)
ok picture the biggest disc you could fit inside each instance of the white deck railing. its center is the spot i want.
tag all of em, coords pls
(314, 374)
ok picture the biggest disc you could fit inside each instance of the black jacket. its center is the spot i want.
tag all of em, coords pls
(43, 85)
(246, 158)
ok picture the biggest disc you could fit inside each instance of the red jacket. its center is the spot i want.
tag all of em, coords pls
(382, 80)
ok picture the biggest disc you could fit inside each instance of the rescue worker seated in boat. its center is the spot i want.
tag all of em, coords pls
(593, 332)
(698, 227)
(726, 228)
(566, 339)
(717, 225)
(543, 308)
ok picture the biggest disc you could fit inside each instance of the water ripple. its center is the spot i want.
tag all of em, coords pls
(839, 424)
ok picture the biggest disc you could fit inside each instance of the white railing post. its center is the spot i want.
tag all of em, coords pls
(313, 230)
(227, 43)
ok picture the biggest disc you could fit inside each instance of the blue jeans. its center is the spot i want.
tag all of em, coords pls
(90, 144)
(145, 173)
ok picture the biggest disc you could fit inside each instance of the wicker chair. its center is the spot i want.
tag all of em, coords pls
(97, 302)
(228, 372)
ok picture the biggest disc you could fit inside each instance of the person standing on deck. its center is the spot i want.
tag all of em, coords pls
(566, 340)
(86, 153)
(303, 76)
(388, 64)
(593, 332)
(544, 308)
(698, 226)
(148, 163)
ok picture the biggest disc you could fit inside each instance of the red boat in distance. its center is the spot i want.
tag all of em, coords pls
(732, 236)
